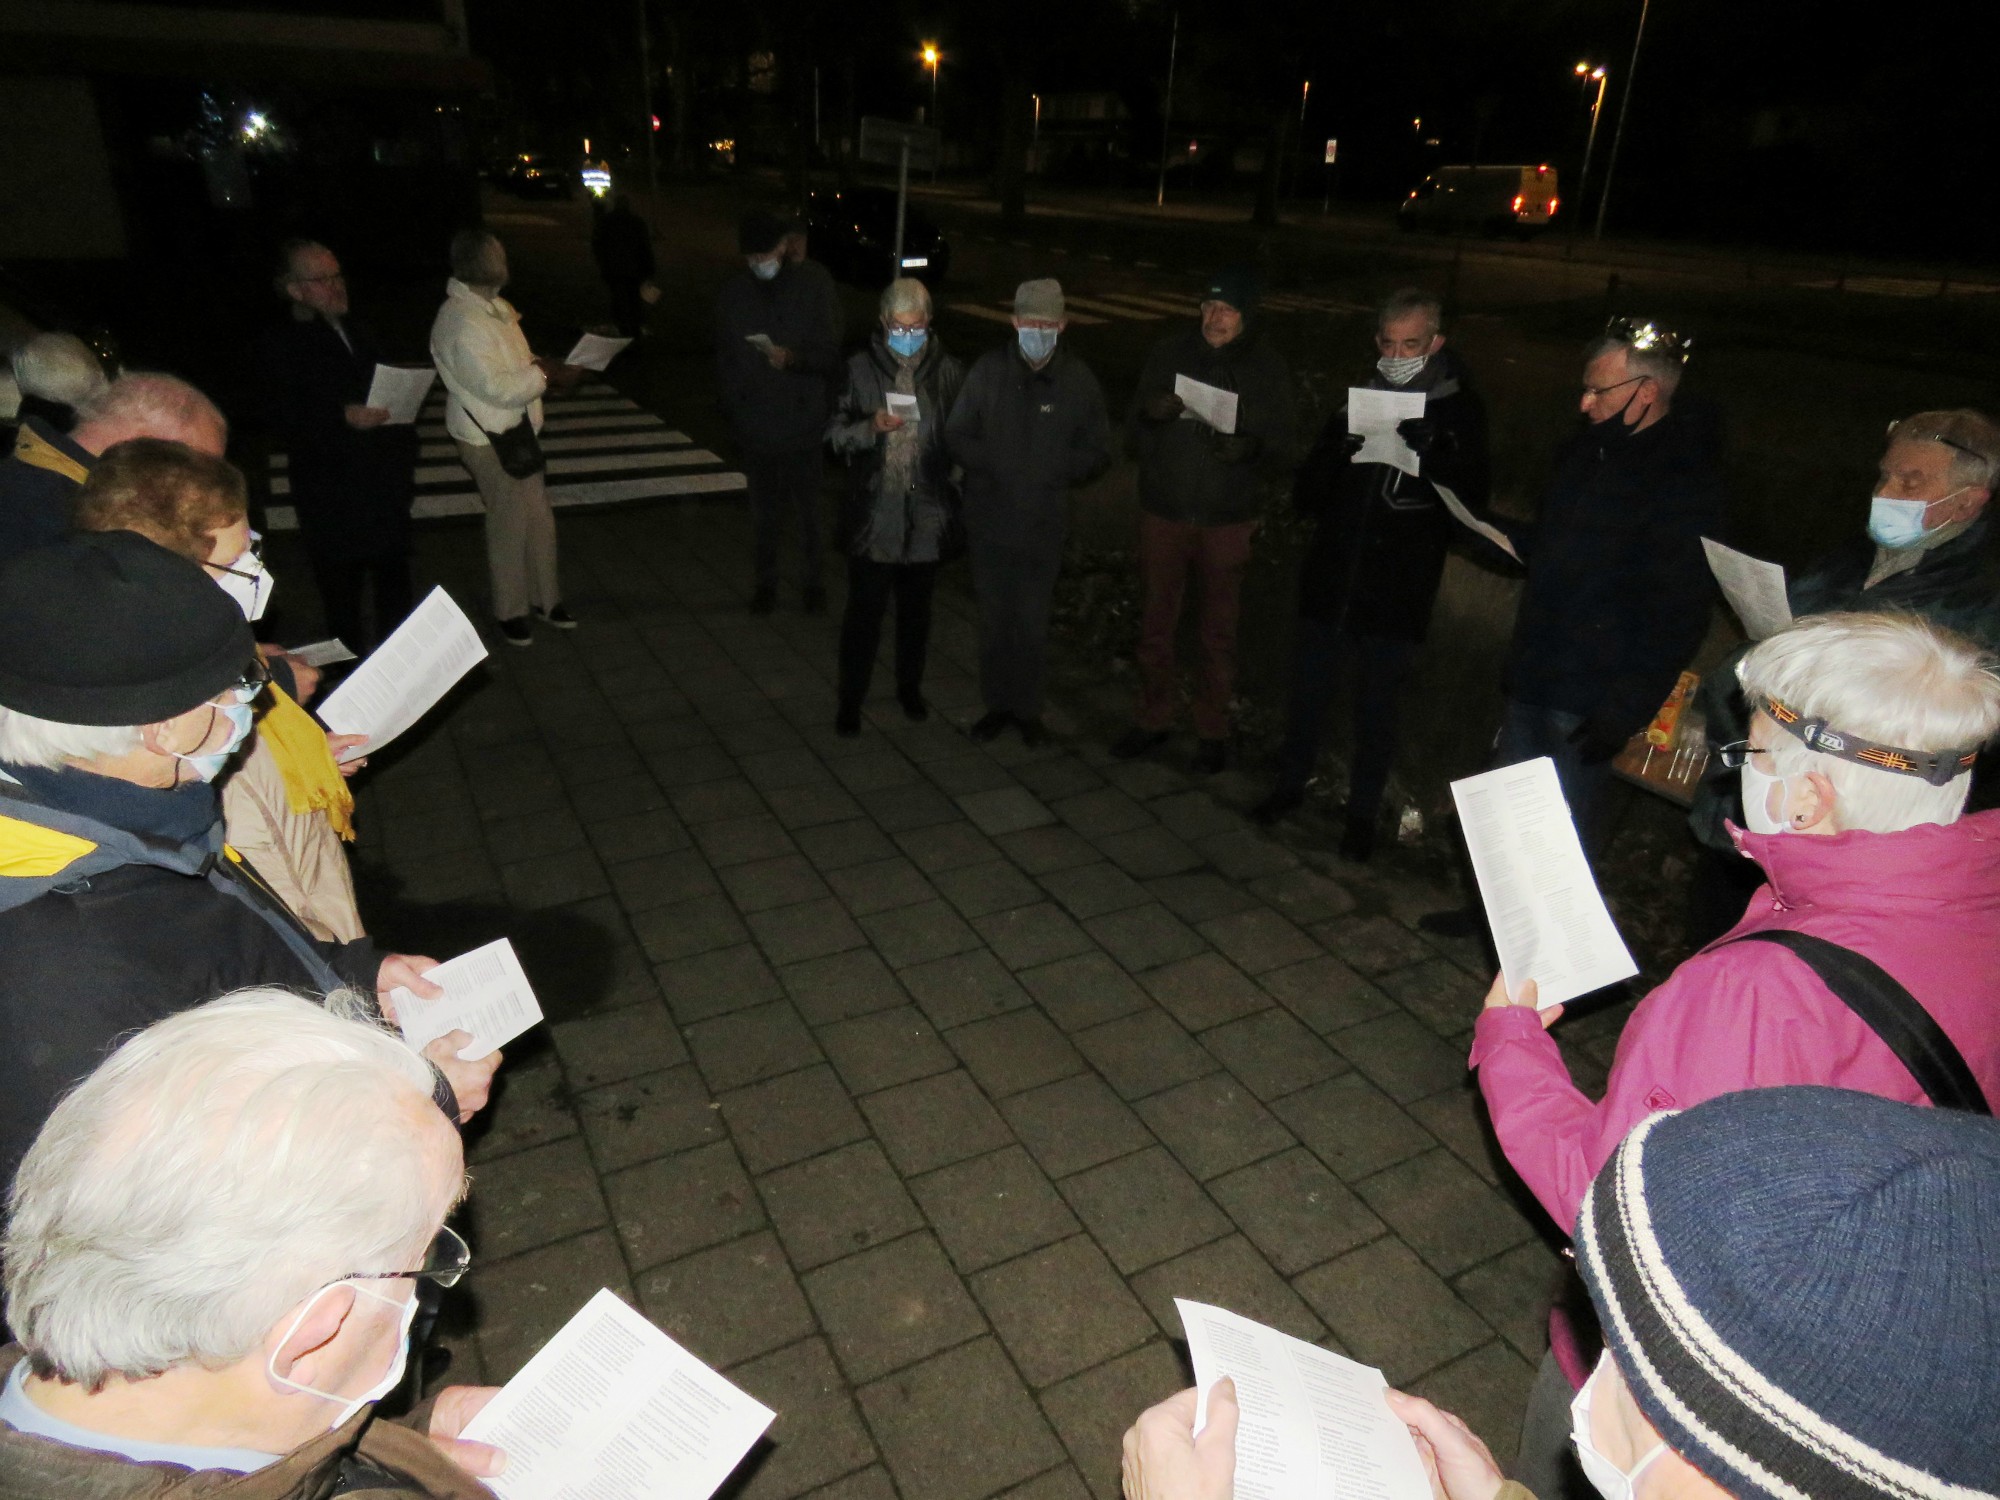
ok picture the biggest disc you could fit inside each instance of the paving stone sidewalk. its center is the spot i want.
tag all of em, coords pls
(907, 1080)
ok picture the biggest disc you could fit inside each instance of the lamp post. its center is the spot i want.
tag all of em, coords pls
(1167, 110)
(1624, 107)
(1589, 72)
(931, 62)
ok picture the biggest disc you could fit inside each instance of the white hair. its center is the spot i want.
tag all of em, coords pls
(28, 741)
(905, 295)
(144, 404)
(58, 367)
(1404, 301)
(212, 1173)
(1895, 679)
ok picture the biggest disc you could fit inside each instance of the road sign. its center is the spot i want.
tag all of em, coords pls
(884, 141)
(1332, 152)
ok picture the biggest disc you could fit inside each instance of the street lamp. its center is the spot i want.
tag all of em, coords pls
(931, 61)
(1590, 73)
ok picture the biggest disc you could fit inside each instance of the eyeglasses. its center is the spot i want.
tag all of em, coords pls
(1735, 754)
(256, 676)
(1600, 391)
(447, 1260)
(254, 551)
(1937, 437)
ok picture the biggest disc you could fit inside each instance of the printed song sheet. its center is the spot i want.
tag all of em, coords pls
(1313, 1423)
(762, 342)
(486, 992)
(903, 406)
(1754, 588)
(1374, 415)
(400, 390)
(325, 653)
(405, 675)
(613, 1409)
(1210, 404)
(595, 352)
(1471, 522)
(1549, 922)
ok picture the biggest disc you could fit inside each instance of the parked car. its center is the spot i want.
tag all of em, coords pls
(1520, 201)
(853, 234)
(535, 175)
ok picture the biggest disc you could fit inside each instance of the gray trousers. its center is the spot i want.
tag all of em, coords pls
(1015, 589)
(520, 534)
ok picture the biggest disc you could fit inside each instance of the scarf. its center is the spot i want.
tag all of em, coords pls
(313, 782)
(905, 444)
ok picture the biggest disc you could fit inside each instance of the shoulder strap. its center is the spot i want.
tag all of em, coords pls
(1892, 1012)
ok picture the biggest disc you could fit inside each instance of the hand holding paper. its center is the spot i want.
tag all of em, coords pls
(400, 391)
(1207, 403)
(902, 406)
(486, 993)
(1374, 415)
(595, 352)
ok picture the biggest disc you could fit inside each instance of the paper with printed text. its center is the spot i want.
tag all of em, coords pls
(404, 676)
(486, 993)
(1207, 403)
(1373, 415)
(324, 653)
(400, 390)
(595, 352)
(1754, 588)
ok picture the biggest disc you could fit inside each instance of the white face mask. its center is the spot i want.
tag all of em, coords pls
(1610, 1481)
(1757, 799)
(349, 1405)
(1401, 371)
(247, 582)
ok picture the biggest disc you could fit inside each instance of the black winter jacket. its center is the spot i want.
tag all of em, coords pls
(1024, 437)
(38, 480)
(1618, 589)
(1187, 470)
(1377, 557)
(775, 411)
(909, 527)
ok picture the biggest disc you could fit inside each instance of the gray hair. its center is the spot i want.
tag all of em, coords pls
(142, 403)
(213, 1172)
(1895, 679)
(58, 367)
(1972, 437)
(473, 256)
(905, 295)
(28, 741)
(1658, 365)
(1411, 299)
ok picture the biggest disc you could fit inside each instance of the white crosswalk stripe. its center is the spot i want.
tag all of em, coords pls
(597, 431)
(1095, 308)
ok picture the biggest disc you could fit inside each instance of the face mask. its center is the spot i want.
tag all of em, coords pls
(1037, 344)
(1610, 1481)
(1401, 371)
(208, 765)
(349, 1405)
(764, 270)
(1757, 800)
(1897, 524)
(247, 582)
(904, 342)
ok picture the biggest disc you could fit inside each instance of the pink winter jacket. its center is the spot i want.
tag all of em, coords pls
(1923, 903)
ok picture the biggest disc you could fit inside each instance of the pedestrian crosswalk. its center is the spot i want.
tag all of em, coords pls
(601, 447)
(1095, 308)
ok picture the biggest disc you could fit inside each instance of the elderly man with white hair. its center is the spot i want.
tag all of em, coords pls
(213, 1256)
(54, 374)
(48, 466)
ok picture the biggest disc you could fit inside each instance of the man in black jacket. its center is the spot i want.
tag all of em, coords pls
(1201, 486)
(775, 360)
(622, 245)
(352, 475)
(1029, 424)
(1371, 575)
(126, 679)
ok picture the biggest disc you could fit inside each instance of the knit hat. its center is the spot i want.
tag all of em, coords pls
(1040, 300)
(1801, 1287)
(108, 628)
(758, 232)
(1236, 285)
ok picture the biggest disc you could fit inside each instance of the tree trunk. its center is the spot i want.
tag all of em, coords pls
(1010, 169)
(1266, 212)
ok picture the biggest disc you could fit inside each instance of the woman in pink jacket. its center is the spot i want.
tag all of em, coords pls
(1856, 849)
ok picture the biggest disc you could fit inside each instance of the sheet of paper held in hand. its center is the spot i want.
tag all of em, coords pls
(405, 675)
(903, 406)
(324, 653)
(760, 341)
(613, 1409)
(1471, 522)
(401, 391)
(1374, 415)
(594, 351)
(1210, 403)
(486, 992)
(1549, 922)
(1313, 1423)
(1754, 588)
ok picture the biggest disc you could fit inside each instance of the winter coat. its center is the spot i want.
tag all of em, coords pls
(775, 411)
(909, 527)
(1024, 437)
(1923, 903)
(364, 1459)
(297, 855)
(490, 376)
(1377, 555)
(1187, 470)
(1619, 591)
(37, 483)
(622, 245)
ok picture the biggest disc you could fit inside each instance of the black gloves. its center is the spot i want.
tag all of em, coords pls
(1352, 444)
(1162, 408)
(1421, 433)
(1235, 447)
(1596, 742)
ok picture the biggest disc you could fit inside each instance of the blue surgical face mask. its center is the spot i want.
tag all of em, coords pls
(208, 765)
(764, 270)
(1897, 524)
(905, 342)
(1037, 344)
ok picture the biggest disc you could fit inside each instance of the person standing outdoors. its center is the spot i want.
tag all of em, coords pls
(776, 356)
(1201, 486)
(1029, 425)
(622, 245)
(493, 411)
(353, 474)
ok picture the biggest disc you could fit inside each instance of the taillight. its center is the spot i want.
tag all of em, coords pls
(1519, 202)
(1552, 206)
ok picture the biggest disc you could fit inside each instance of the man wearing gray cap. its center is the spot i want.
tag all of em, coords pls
(1029, 424)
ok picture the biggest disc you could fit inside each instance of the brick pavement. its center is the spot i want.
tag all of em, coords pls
(907, 1080)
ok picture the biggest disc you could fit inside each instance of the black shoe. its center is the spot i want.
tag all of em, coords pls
(989, 727)
(914, 707)
(1034, 733)
(763, 601)
(1357, 840)
(815, 601)
(1211, 756)
(1135, 742)
(1463, 923)
(517, 631)
(847, 723)
(555, 615)
(1280, 805)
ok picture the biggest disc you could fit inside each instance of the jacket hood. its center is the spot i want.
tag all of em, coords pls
(1935, 869)
(42, 848)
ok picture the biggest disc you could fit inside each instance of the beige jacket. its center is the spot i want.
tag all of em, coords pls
(489, 373)
(297, 854)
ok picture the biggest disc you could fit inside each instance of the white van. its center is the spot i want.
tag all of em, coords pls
(1493, 200)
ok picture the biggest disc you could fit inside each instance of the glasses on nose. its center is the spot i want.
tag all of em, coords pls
(1737, 753)
(1599, 392)
(448, 1259)
(252, 682)
(1938, 437)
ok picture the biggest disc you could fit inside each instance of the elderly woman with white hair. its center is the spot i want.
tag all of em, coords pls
(55, 374)
(897, 519)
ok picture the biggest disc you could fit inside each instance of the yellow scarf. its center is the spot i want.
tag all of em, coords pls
(31, 448)
(312, 777)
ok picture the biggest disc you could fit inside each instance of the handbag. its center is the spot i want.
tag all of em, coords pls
(518, 448)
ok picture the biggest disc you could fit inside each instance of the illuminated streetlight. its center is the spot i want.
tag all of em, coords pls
(930, 56)
(1590, 73)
